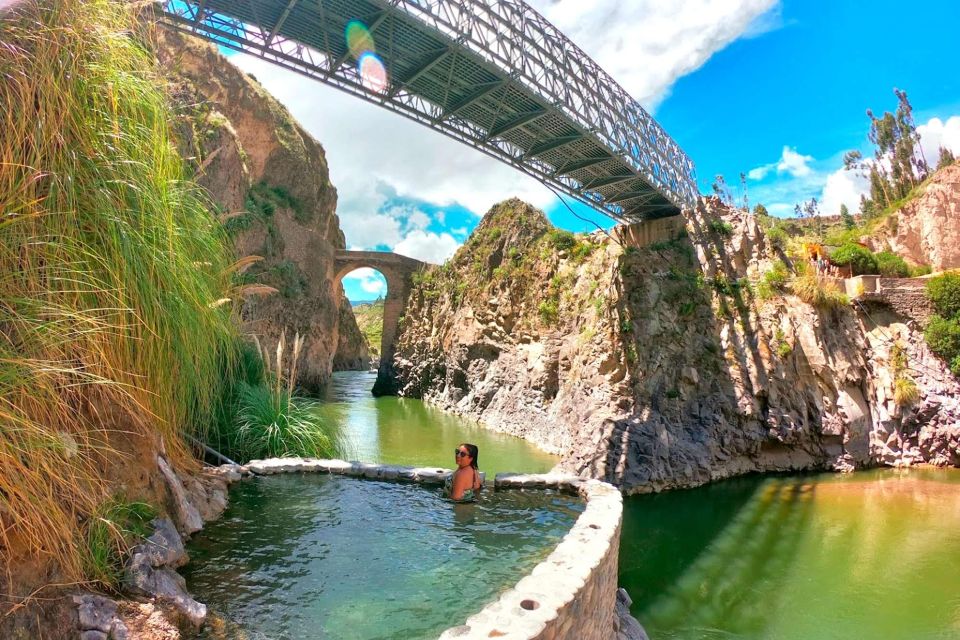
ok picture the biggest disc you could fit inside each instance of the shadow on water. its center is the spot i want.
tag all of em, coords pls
(704, 563)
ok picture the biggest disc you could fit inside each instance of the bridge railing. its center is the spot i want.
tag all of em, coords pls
(534, 62)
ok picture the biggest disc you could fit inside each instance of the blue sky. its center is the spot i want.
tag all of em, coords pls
(776, 89)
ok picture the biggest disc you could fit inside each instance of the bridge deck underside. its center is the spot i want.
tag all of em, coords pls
(450, 88)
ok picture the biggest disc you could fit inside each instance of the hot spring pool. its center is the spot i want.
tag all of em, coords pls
(328, 557)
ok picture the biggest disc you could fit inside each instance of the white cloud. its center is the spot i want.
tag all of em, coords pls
(371, 281)
(374, 154)
(791, 162)
(935, 134)
(428, 246)
(843, 187)
(646, 45)
(368, 230)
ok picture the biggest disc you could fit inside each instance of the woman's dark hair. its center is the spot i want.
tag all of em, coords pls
(474, 453)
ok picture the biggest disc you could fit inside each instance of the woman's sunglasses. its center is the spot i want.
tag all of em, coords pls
(459, 453)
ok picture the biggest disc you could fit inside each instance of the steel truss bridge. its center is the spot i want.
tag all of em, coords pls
(494, 74)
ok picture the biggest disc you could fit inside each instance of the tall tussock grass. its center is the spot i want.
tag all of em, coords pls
(266, 418)
(110, 269)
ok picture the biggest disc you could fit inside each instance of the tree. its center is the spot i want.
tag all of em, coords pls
(760, 210)
(946, 158)
(846, 217)
(811, 210)
(721, 190)
(743, 186)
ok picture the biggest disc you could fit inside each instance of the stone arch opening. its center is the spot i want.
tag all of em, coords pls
(367, 289)
(398, 271)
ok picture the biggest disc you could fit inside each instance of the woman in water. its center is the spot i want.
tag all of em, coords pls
(464, 484)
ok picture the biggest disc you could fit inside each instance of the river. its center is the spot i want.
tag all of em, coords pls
(814, 557)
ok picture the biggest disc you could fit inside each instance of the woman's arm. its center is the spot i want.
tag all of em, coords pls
(477, 484)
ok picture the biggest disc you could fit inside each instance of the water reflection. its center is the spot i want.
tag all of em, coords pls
(870, 555)
(409, 432)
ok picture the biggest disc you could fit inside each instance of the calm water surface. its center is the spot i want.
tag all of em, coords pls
(318, 557)
(820, 557)
(409, 432)
(817, 557)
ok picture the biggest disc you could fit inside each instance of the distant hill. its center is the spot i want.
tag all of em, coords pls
(359, 303)
(370, 320)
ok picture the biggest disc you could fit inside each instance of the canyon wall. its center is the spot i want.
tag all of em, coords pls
(927, 229)
(650, 358)
(271, 182)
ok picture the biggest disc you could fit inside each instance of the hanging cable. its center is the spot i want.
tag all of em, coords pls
(579, 217)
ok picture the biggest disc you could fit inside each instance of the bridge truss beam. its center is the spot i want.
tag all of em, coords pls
(494, 74)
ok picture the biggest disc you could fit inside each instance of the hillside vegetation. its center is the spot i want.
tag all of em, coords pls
(370, 320)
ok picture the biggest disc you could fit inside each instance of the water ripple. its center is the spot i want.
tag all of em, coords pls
(299, 557)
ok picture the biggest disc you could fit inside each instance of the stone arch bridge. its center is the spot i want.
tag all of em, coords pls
(398, 270)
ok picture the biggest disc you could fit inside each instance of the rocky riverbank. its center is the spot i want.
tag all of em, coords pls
(650, 358)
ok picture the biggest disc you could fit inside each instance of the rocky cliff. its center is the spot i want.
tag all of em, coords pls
(661, 356)
(927, 229)
(270, 179)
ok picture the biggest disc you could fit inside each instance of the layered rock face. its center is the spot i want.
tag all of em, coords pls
(648, 358)
(270, 179)
(927, 229)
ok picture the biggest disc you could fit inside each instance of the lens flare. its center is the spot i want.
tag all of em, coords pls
(373, 74)
(359, 39)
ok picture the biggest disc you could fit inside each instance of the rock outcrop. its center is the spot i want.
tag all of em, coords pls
(927, 229)
(270, 180)
(659, 366)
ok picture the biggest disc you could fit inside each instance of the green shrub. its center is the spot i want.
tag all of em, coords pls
(891, 265)
(720, 227)
(562, 240)
(549, 311)
(773, 281)
(943, 337)
(944, 293)
(777, 236)
(859, 258)
(920, 270)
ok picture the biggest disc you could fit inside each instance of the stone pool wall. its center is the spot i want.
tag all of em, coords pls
(571, 595)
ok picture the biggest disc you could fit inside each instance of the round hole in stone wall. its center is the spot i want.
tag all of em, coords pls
(594, 526)
(529, 605)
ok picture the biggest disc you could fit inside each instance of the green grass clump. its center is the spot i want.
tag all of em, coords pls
(562, 240)
(266, 419)
(114, 276)
(891, 265)
(774, 281)
(817, 291)
(549, 311)
(920, 270)
(720, 227)
(112, 529)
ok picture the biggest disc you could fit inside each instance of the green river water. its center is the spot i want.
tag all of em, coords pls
(811, 557)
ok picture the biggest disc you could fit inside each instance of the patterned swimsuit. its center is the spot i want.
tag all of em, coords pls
(469, 495)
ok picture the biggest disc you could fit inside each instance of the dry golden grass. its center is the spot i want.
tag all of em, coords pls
(110, 265)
